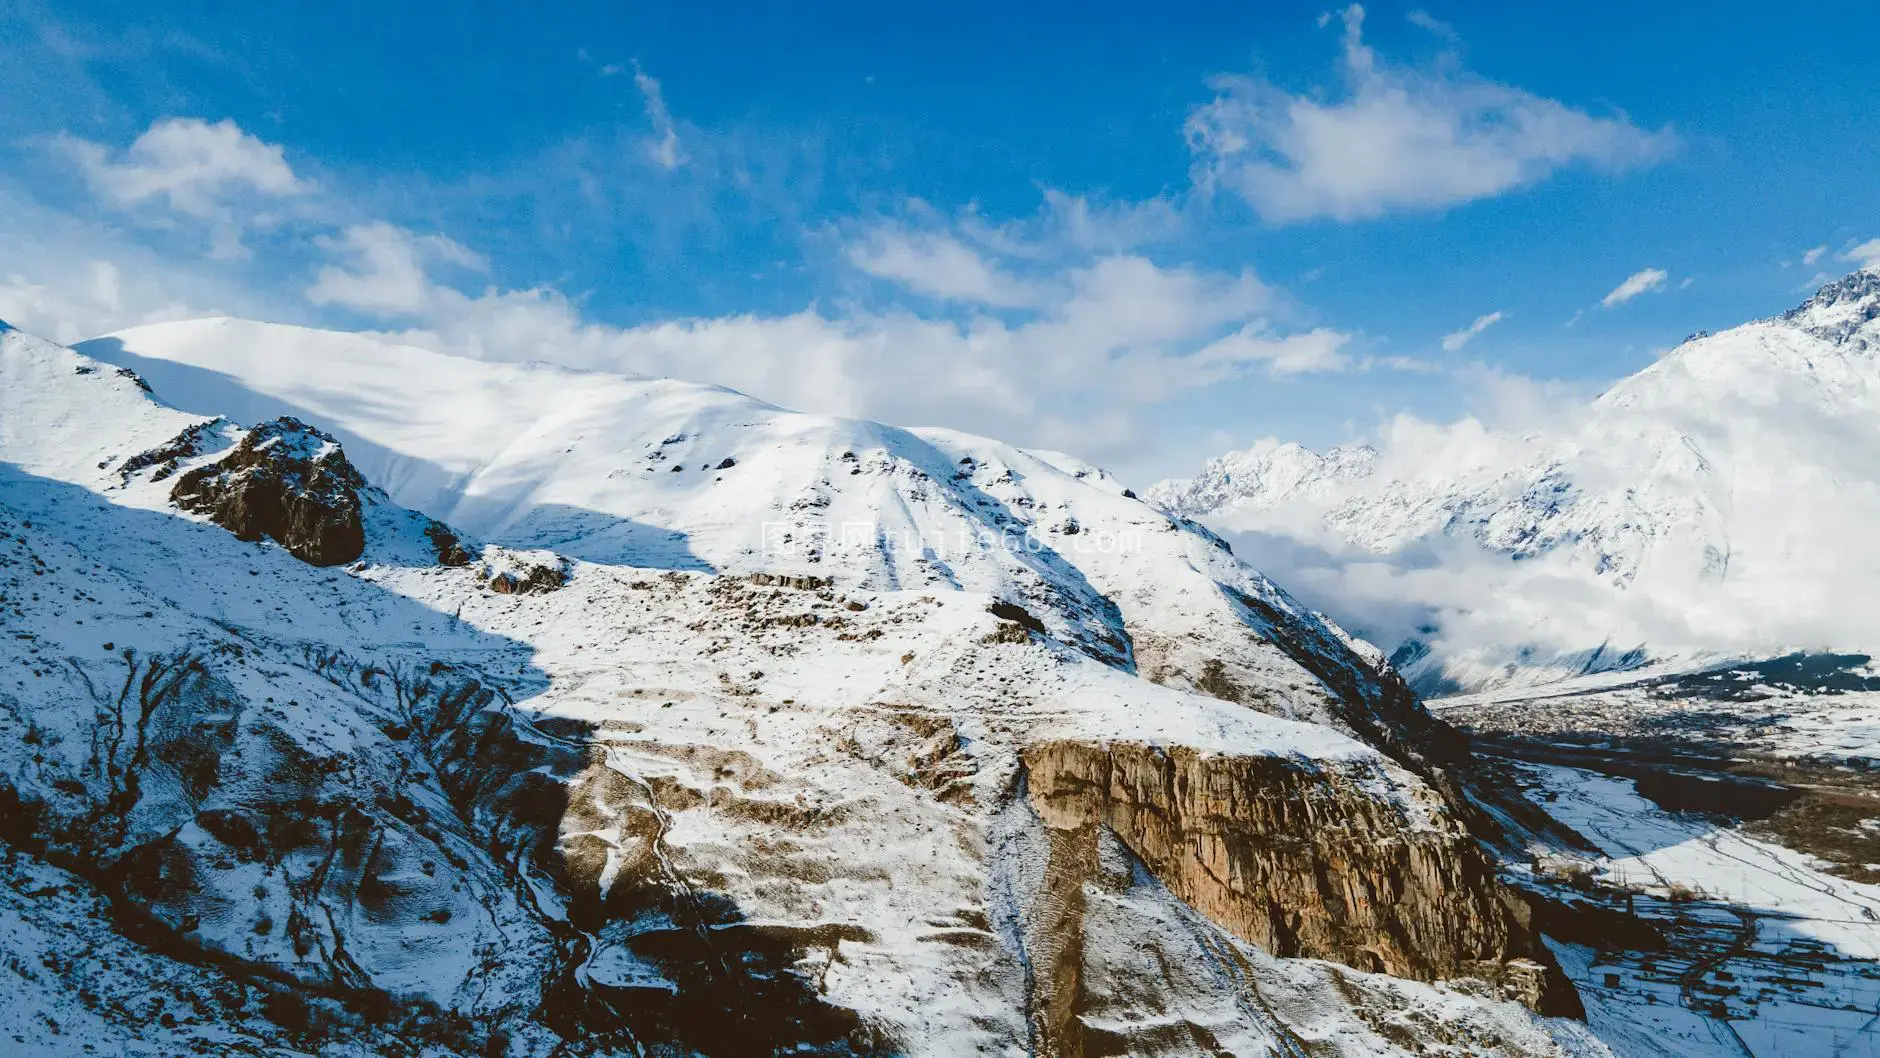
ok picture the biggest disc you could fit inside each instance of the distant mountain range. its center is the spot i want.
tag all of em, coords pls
(1716, 505)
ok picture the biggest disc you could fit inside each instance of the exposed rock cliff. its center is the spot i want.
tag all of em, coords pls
(1301, 862)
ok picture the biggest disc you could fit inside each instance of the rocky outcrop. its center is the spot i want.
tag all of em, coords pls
(288, 482)
(447, 545)
(1841, 309)
(1298, 861)
(164, 460)
(532, 578)
(449, 836)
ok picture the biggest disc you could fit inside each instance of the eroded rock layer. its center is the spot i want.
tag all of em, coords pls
(1302, 862)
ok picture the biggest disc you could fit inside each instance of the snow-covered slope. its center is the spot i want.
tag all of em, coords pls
(1713, 505)
(666, 781)
(661, 473)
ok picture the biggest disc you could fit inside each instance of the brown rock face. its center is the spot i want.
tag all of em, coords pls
(286, 481)
(446, 543)
(1297, 862)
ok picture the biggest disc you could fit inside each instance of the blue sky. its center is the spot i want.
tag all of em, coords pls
(1139, 235)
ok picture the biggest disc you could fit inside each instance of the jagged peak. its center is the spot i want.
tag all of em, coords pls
(1840, 308)
(291, 438)
(1860, 284)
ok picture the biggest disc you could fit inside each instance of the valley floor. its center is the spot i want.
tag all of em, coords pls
(1737, 810)
(1797, 709)
(1767, 954)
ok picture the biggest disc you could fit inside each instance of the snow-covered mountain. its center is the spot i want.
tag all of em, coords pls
(398, 703)
(1269, 474)
(659, 473)
(1714, 505)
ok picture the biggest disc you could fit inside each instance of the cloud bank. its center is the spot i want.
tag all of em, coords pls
(191, 167)
(1714, 505)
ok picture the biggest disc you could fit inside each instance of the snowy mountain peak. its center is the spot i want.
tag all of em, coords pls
(1841, 309)
(1266, 475)
(612, 471)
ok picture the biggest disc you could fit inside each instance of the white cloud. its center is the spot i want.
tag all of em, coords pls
(1098, 344)
(1409, 364)
(191, 166)
(71, 277)
(1811, 256)
(1080, 223)
(1317, 350)
(1121, 302)
(1424, 20)
(940, 266)
(1395, 139)
(1077, 315)
(84, 300)
(1643, 281)
(386, 272)
(663, 148)
(1867, 254)
(1456, 340)
(1755, 464)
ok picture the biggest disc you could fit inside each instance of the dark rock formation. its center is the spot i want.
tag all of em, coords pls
(1007, 611)
(1303, 864)
(445, 542)
(803, 582)
(286, 481)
